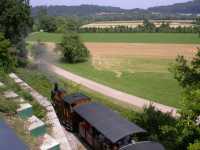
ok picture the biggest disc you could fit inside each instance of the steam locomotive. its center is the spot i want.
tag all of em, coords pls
(99, 126)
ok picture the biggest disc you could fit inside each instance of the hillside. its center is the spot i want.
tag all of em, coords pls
(191, 7)
(82, 10)
(105, 13)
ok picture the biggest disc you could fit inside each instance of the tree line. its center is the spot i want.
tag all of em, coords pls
(60, 24)
(147, 27)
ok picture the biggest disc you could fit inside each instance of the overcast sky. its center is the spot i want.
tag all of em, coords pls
(128, 4)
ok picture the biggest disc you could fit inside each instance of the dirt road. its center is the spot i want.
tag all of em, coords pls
(107, 91)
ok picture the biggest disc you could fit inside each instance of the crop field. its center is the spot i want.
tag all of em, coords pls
(134, 63)
(122, 37)
(138, 69)
(134, 24)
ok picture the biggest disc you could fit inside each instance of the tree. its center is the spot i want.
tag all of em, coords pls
(148, 26)
(73, 49)
(187, 73)
(188, 76)
(7, 59)
(161, 127)
(67, 24)
(16, 23)
(15, 20)
(48, 24)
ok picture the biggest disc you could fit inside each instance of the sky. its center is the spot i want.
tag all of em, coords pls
(126, 4)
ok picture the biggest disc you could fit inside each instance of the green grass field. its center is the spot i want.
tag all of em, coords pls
(122, 37)
(148, 78)
(156, 86)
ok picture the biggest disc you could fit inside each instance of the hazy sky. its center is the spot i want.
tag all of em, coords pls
(119, 3)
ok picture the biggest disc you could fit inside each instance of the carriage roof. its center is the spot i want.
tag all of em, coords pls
(108, 123)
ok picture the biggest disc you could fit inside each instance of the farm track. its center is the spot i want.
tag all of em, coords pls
(110, 92)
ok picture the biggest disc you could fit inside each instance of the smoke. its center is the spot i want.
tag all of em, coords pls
(44, 54)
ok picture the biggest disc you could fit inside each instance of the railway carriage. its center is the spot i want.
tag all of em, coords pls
(98, 125)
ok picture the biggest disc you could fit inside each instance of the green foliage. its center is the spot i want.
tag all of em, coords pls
(37, 80)
(48, 24)
(16, 23)
(66, 24)
(187, 74)
(7, 106)
(73, 49)
(59, 24)
(160, 127)
(38, 110)
(26, 95)
(147, 27)
(195, 146)
(15, 20)
(189, 132)
(7, 59)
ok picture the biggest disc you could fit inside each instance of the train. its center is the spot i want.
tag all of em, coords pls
(99, 126)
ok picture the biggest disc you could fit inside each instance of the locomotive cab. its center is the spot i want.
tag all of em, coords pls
(64, 106)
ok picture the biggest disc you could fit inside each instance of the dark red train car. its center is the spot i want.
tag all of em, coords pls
(104, 129)
(98, 125)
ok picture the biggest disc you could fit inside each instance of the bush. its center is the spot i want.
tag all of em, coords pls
(73, 49)
(38, 110)
(7, 62)
(195, 146)
(160, 127)
(7, 106)
(26, 95)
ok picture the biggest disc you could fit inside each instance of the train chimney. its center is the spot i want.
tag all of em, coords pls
(56, 87)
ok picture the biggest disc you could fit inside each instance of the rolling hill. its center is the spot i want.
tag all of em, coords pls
(191, 7)
(187, 10)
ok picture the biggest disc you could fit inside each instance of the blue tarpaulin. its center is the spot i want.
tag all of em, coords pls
(8, 138)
